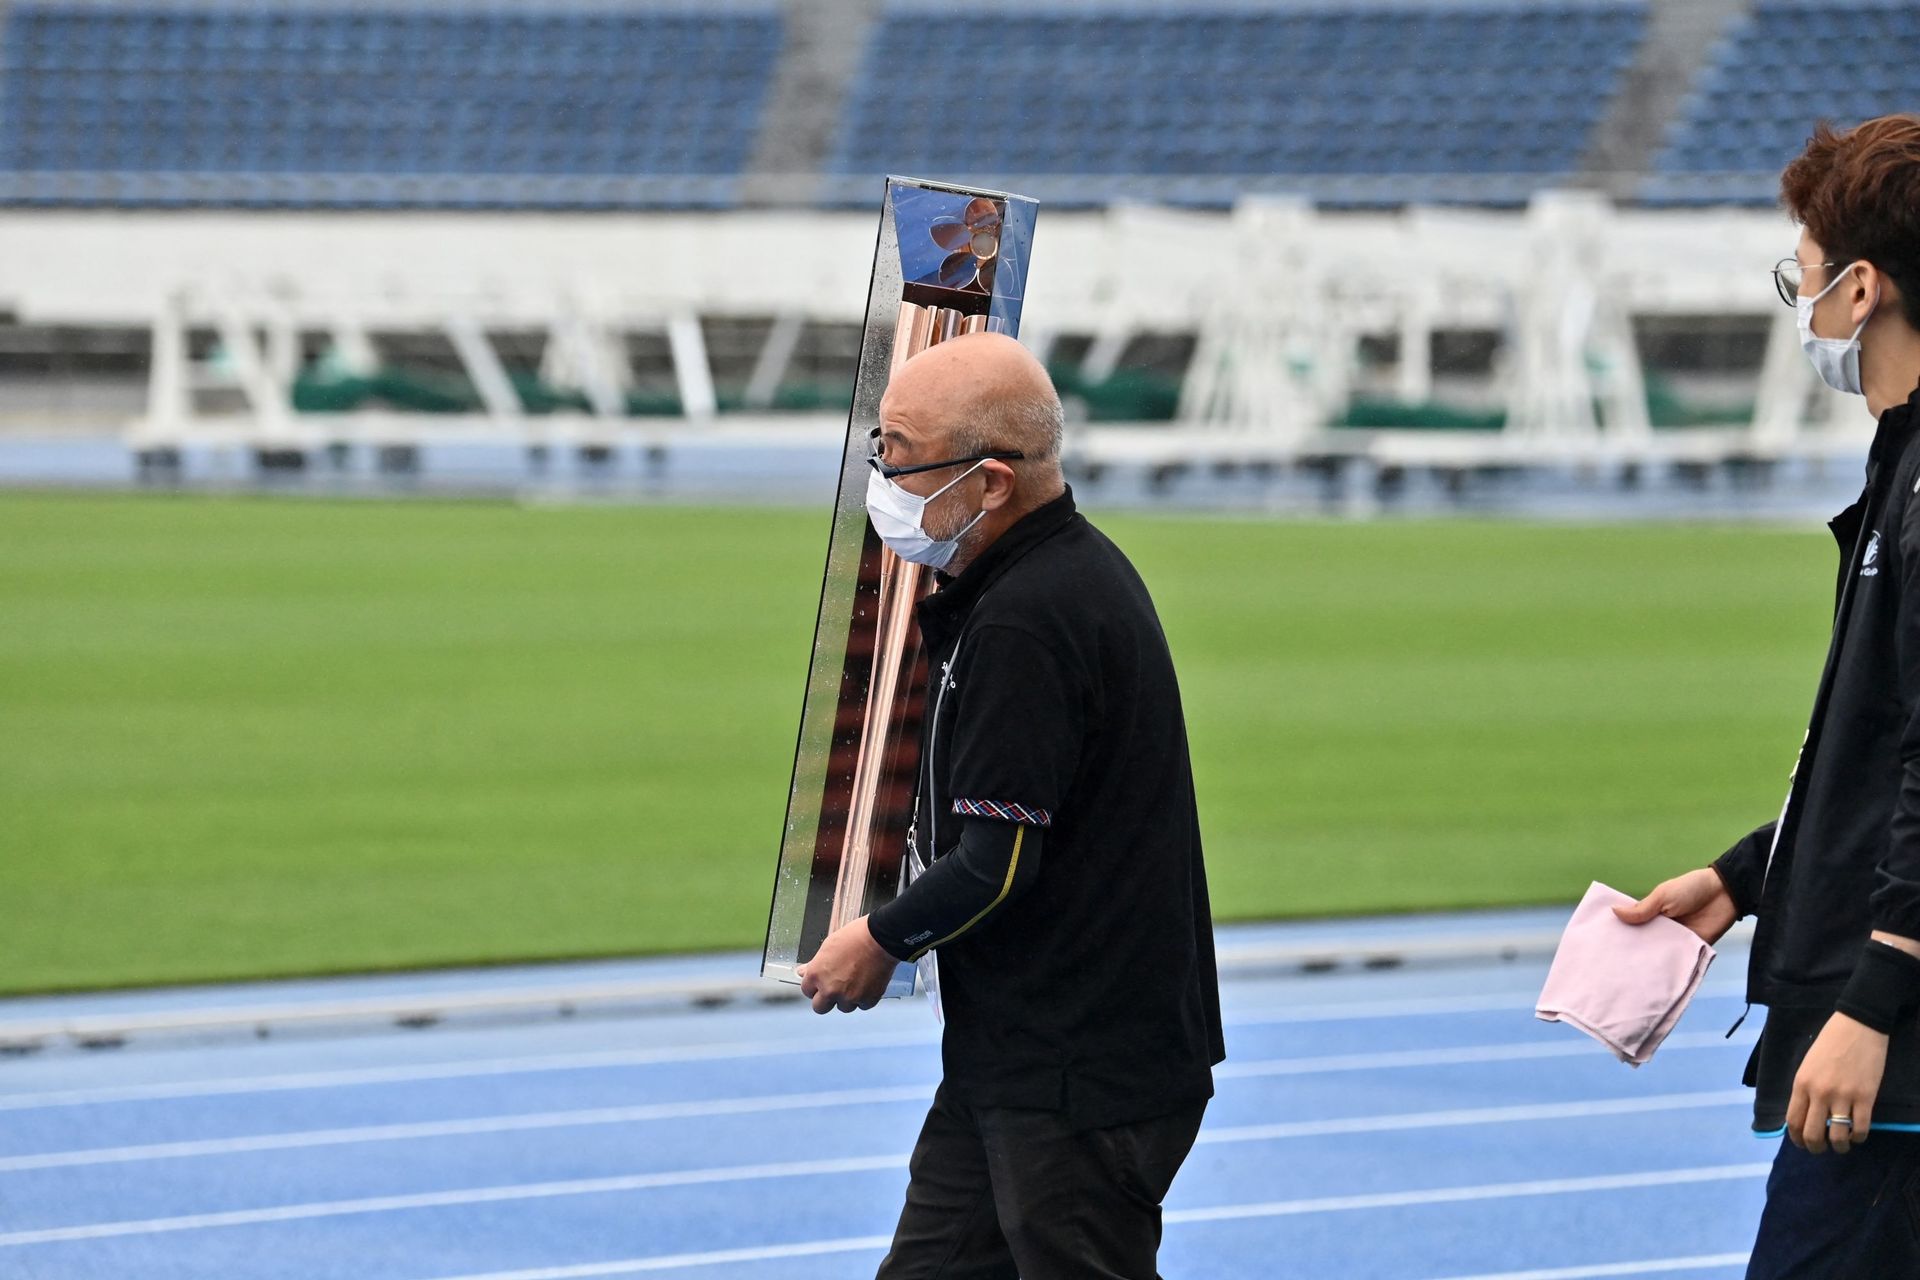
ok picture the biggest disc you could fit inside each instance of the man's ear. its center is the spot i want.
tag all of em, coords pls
(999, 481)
(1869, 290)
(1892, 301)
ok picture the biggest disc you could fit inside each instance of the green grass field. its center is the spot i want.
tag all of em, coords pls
(243, 737)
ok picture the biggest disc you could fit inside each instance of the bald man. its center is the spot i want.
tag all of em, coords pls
(1063, 890)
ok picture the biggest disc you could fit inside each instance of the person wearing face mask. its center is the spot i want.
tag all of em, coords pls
(1063, 892)
(1835, 879)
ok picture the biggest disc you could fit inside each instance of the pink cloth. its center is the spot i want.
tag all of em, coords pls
(1625, 985)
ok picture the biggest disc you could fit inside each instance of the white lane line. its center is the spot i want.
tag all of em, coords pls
(748, 1173)
(1227, 1213)
(1517, 1002)
(1520, 1003)
(425, 1129)
(1512, 1051)
(447, 1199)
(675, 1261)
(1462, 1195)
(1596, 1271)
(479, 1067)
(1463, 1117)
(643, 1113)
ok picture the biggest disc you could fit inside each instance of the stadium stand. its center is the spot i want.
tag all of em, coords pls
(1775, 71)
(580, 104)
(1196, 104)
(381, 106)
(583, 104)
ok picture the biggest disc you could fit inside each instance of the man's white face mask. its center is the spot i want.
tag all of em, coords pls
(1836, 360)
(897, 517)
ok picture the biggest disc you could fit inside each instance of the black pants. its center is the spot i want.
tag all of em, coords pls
(1850, 1217)
(1005, 1194)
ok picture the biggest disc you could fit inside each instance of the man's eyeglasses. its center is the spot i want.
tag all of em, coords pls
(892, 473)
(1787, 274)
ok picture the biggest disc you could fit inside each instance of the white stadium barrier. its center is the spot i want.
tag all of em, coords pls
(1276, 296)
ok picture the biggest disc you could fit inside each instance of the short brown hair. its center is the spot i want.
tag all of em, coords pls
(1857, 192)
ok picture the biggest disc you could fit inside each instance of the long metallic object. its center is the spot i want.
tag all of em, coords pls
(949, 261)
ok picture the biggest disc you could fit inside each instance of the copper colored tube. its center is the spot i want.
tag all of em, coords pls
(901, 584)
(911, 333)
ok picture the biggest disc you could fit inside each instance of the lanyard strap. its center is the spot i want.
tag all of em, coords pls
(923, 776)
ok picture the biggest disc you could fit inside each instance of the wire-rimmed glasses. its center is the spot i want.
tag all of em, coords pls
(1787, 274)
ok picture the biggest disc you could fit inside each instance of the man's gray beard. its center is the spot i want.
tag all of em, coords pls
(969, 544)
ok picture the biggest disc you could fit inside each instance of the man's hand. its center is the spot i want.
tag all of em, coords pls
(850, 971)
(1840, 1076)
(1698, 900)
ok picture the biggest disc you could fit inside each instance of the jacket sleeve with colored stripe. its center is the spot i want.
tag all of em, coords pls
(994, 863)
(1004, 765)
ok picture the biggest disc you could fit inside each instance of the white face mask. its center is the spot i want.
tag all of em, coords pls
(1836, 360)
(896, 516)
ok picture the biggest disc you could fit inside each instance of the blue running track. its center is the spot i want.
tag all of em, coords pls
(1412, 1124)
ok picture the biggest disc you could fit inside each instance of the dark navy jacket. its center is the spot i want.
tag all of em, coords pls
(1844, 859)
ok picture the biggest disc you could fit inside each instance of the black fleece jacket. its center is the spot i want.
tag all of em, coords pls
(1083, 981)
(1844, 857)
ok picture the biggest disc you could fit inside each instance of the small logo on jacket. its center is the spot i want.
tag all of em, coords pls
(1870, 562)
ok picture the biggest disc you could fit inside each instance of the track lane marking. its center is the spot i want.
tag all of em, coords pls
(1600, 1270)
(1456, 1118)
(1228, 1213)
(1509, 1051)
(681, 1261)
(446, 1199)
(705, 1052)
(1464, 1195)
(523, 1122)
(1387, 1060)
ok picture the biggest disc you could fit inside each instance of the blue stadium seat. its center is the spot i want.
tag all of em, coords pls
(375, 94)
(1188, 91)
(1769, 80)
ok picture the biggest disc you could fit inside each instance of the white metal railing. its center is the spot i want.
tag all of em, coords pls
(1277, 295)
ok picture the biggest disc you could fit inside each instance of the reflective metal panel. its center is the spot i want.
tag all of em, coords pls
(949, 261)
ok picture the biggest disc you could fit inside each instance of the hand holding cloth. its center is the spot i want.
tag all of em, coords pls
(1625, 985)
